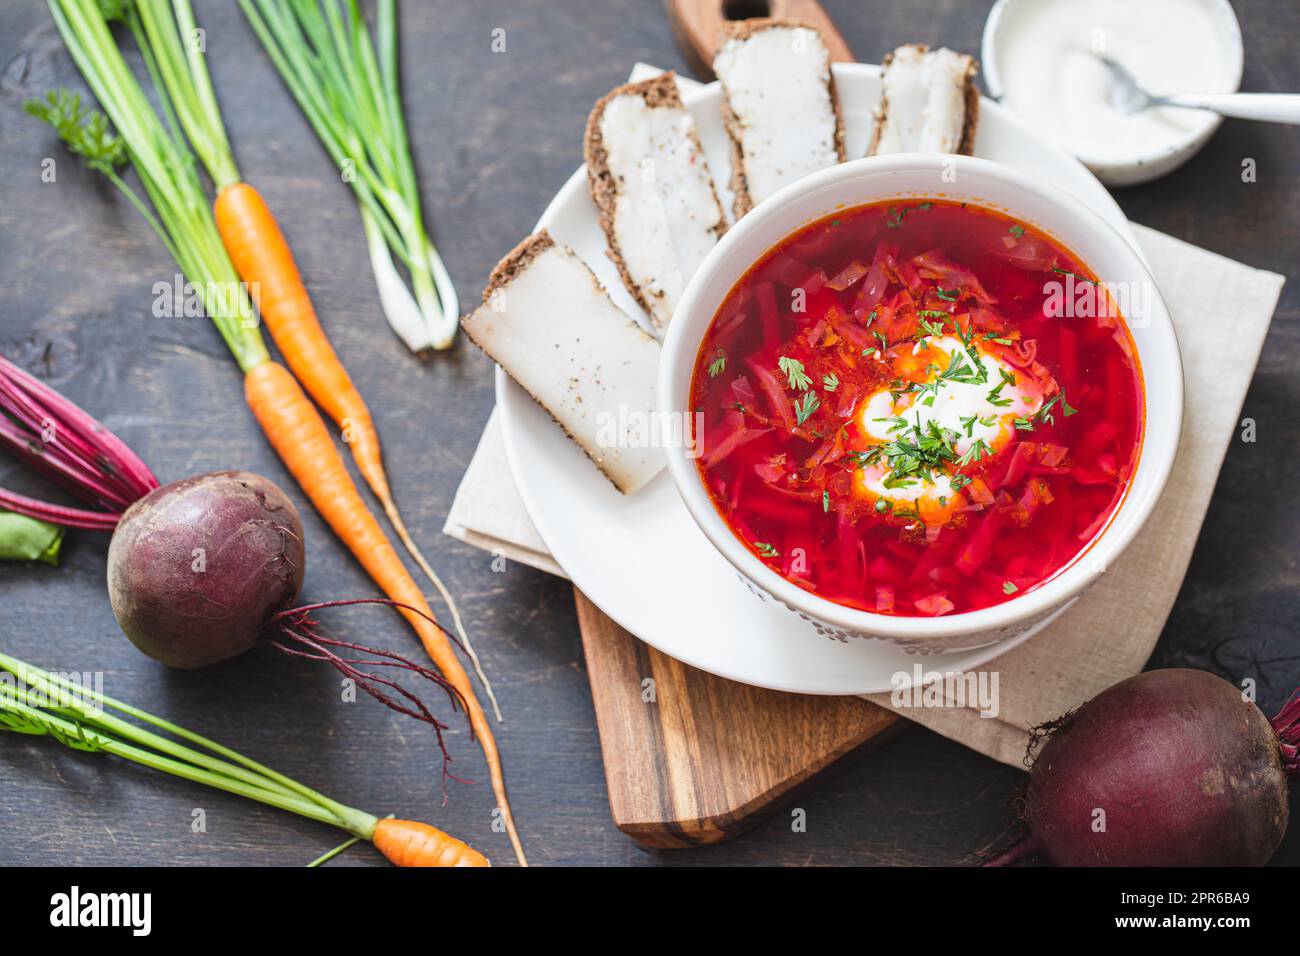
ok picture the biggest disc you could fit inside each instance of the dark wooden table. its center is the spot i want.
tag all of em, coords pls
(495, 135)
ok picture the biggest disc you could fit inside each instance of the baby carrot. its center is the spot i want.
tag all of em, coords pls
(408, 843)
(299, 436)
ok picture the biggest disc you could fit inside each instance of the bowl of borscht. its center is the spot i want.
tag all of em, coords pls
(924, 399)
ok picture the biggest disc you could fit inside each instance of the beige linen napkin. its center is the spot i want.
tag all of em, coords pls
(1110, 632)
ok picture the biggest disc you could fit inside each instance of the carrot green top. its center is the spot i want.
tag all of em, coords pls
(174, 203)
(77, 715)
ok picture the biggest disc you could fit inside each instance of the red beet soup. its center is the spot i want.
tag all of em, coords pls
(918, 409)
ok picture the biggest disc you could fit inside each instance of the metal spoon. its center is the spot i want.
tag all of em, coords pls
(1127, 97)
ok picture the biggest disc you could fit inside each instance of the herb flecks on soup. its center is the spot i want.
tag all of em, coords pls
(885, 412)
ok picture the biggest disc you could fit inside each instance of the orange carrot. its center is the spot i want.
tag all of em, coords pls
(263, 260)
(408, 843)
(299, 436)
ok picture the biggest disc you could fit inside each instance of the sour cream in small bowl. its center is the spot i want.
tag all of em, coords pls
(1041, 58)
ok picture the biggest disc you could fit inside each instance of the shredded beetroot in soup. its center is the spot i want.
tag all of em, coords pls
(919, 409)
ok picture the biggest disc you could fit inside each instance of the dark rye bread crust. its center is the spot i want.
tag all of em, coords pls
(516, 261)
(512, 264)
(657, 91)
(966, 145)
(743, 30)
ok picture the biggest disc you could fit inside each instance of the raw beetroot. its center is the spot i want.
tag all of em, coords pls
(1168, 768)
(201, 570)
(206, 568)
(198, 567)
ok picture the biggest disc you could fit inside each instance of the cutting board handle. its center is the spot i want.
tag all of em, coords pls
(697, 26)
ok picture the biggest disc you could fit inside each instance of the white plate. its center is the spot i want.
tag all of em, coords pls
(641, 559)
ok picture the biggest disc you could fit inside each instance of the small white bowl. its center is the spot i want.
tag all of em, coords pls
(1141, 165)
(912, 177)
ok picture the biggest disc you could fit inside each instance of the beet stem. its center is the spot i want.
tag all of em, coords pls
(1018, 852)
(1287, 726)
(84, 457)
(58, 514)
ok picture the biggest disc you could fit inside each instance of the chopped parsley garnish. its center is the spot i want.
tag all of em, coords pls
(867, 458)
(977, 374)
(917, 453)
(1009, 588)
(831, 381)
(1044, 414)
(803, 409)
(894, 218)
(872, 317)
(826, 501)
(957, 371)
(929, 328)
(995, 396)
(948, 295)
(718, 365)
(1067, 272)
(882, 505)
(766, 550)
(976, 451)
(794, 371)
(1017, 231)
(933, 313)
(884, 343)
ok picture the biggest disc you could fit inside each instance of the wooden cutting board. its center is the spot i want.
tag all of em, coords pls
(690, 758)
(697, 26)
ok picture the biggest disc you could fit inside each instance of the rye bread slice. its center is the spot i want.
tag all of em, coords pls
(739, 31)
(971, 98)
(546, 320)
(659, 92)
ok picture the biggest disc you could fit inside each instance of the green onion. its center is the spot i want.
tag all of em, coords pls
(347, 87)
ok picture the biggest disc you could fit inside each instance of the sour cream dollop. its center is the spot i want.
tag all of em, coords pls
(974, 407)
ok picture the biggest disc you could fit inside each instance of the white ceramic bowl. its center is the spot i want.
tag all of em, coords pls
(914, 177)
(1221, 76)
